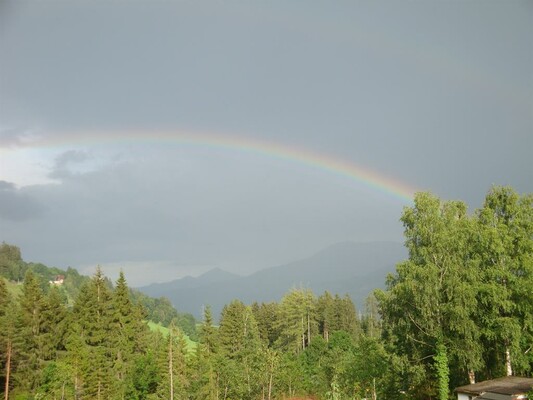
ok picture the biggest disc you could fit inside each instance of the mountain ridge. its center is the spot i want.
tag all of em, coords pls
(344, 268)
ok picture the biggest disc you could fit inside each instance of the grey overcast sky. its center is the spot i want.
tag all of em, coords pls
(431, 95)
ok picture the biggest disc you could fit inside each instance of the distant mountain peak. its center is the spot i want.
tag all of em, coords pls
(217, 274)
(346, 267)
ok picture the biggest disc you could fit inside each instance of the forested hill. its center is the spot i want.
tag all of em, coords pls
(352, 268)
(13, 268)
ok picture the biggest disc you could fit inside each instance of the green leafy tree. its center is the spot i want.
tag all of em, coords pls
(12, 266)
(314, 361)
(55, 381)
(145, 378)
(269, 372)
(442, 371)
(504, 245)
(290, 382)
(432, 297)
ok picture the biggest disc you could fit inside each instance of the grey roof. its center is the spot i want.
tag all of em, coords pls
(508, 385)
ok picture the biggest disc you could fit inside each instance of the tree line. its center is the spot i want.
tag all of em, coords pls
(459, 308)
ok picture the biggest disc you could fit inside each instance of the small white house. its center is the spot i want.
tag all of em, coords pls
(507, 388)
(58, 280)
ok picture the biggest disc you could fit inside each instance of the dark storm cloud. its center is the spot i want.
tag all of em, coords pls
(448, 109)
(434, 94)
(15, 205)
(205, 209)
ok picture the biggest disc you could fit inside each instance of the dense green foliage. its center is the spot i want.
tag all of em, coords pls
(461, 304)
(158, 310)
(465, 293)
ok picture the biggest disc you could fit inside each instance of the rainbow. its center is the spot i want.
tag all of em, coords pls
(329, 163)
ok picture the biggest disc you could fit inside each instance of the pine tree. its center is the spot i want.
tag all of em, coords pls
(205, 385)
(174, 383)
(240, 345)
(54, 324)
(346, 315)
(371, 321)
(8, 314)
(77, 356)
(31, 338)
(267, 318)
(325, 312)
(297, 320)
(92, 312)
(128, 332)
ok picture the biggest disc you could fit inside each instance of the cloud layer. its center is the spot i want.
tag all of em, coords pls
(438, 95)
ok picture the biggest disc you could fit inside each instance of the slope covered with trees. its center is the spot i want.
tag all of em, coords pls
(460, 307)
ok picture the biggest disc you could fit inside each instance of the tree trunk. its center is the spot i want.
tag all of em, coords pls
(308, 330)
(8, 368)
(270, 385)
(170, 366)
(303, 334)
(471, 376)
(508, 367)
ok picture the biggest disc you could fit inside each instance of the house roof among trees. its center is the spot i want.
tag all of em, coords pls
(509, 385)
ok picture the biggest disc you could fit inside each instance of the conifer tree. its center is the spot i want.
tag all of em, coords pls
(240, 344)
(205, 385)
(54, 324)
(174, 383)
(77, 356)
(346, 315)
(371, 321)
(325, 312)
(267, 318)
(31, 338)
(8, 314)
(126, 340)
(92, 311)
(297, 322)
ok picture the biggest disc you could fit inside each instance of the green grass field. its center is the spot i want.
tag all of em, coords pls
(191, 345)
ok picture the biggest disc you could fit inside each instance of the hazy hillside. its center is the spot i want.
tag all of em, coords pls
(352, 268)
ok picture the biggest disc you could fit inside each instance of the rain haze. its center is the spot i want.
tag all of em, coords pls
(170, 138)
